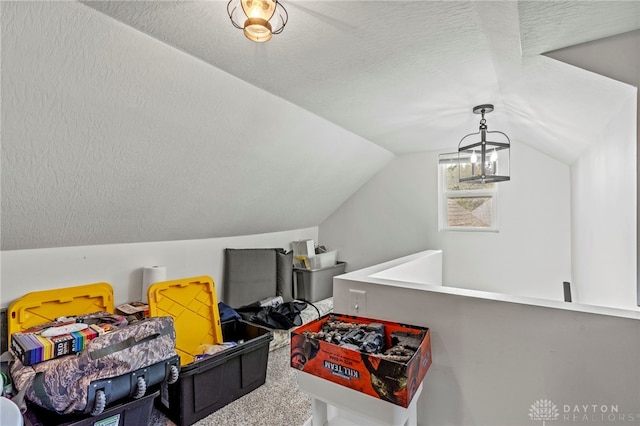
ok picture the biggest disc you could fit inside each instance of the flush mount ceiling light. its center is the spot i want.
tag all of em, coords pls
(479, 160)
(259, 19)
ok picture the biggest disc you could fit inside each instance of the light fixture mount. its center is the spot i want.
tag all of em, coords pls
(483, 109)
(492, 152)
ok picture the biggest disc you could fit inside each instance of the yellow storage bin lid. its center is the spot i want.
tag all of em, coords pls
(40, 307)
(193, 304)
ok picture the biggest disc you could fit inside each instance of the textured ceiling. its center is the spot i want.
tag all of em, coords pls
(405, 75)
(126, 121)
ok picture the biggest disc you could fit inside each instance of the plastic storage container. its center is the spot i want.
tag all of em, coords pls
(207, 385)
(40, 307)
(193, 304)
(323, 260)
(316, 284)
(45, 306)
(132, 412)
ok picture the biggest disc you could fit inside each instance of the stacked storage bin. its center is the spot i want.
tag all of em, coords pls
(42, 307)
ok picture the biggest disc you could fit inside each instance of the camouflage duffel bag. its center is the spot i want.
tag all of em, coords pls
(116, 365)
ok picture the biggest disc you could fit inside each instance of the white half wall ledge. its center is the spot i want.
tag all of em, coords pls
(420, 268)
(496, 355)
(416, 271)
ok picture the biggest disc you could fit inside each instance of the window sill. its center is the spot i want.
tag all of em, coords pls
(470, 229)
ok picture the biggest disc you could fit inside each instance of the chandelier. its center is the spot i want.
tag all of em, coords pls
(478, 160)
(259, 19)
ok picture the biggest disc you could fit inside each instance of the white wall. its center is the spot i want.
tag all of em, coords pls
(617, 57)
(121, 265)
(604, 215)
(494, 356)
(396, 213)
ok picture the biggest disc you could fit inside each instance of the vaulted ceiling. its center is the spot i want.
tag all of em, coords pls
(128, 121)
(405, 75)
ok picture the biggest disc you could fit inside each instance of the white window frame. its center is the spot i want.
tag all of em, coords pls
(444, 194)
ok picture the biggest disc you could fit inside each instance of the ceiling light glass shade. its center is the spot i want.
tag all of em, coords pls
(484, 156)
(259, 19)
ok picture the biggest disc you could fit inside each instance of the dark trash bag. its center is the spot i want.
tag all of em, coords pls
(283, 317)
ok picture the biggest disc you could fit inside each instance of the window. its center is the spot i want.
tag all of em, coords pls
(464, 206)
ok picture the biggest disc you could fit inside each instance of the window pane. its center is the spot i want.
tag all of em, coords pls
(452, 178)
(476, 212)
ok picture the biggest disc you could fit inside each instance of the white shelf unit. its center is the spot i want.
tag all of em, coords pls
(336, 405)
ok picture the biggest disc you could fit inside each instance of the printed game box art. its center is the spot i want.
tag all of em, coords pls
(384, 359)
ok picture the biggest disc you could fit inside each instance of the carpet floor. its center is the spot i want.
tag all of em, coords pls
(278, 402)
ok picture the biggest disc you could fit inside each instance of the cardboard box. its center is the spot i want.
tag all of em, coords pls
(31, 348)
(139, 310)
(383, 378)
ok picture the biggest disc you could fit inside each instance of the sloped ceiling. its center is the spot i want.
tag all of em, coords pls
(617, 57)
(129, 121)
(405, 75)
